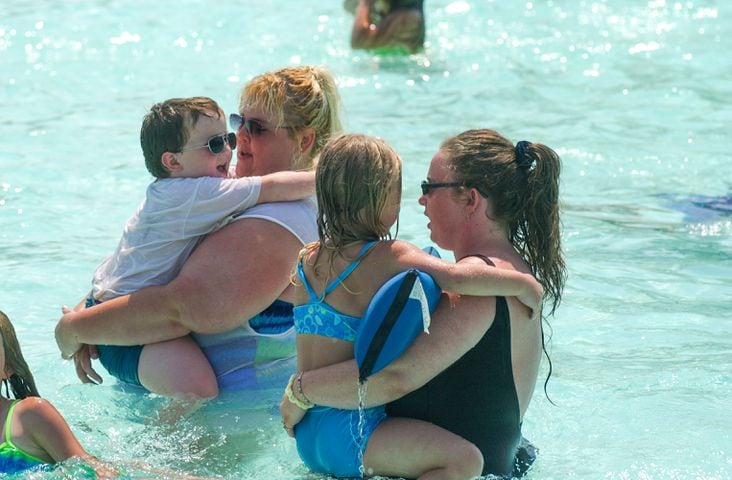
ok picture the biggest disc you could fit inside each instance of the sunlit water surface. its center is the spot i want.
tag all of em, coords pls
(635, 96)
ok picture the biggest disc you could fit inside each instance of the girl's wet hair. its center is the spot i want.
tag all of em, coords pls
(353, 181)
(297, 98)
(20, 381)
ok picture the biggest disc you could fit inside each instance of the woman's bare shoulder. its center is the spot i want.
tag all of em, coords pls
(506, 259)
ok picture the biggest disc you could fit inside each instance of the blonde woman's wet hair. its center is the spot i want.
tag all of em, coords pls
(353, 181)
(17, 376)
(297, 98)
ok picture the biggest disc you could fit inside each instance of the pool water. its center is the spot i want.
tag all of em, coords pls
(634, 96)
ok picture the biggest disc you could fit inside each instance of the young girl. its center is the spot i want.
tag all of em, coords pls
(33, 432)
(358, 184)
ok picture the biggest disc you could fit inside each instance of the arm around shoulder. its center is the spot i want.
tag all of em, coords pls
(470, 276)
(287, 186)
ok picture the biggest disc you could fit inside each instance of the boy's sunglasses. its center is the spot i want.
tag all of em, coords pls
(427, 186)
(217, 143)
(253, 127)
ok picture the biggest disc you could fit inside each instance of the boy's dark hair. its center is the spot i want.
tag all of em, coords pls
(167, 127)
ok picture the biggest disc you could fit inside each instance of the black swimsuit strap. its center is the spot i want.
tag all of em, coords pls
(482, 257)
(501, 304)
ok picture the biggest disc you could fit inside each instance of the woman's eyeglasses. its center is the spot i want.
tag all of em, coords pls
(252, 126)
(216, 144)
(427, 186)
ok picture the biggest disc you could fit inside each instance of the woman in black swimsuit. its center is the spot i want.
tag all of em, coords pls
(474, 374)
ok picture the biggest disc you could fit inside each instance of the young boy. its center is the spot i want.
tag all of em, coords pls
(187, 148)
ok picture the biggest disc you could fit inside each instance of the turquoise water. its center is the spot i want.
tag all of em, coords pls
(635, 96)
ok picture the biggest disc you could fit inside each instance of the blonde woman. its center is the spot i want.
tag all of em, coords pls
(232, 292)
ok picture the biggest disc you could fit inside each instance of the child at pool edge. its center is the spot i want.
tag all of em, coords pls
(34, 432)
(355, 252)
(188, 149)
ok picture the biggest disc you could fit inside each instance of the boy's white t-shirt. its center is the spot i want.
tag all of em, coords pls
(173, 218)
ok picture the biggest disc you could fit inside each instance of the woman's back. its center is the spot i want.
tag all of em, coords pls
(490, 386)
(525, 333)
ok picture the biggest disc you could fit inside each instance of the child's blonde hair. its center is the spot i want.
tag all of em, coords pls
(19, 380)
(353, 180)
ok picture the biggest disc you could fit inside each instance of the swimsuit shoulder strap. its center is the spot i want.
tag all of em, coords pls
(9, 422)
(501, 304)
(9, 439)
(482, 257)
(301, 274)
(349, 269)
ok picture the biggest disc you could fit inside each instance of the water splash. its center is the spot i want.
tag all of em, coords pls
(362, 388)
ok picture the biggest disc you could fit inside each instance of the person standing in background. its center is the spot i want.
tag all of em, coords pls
(387, 24)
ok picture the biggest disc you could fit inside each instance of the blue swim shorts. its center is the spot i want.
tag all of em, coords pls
(329, 442)
(120, 362)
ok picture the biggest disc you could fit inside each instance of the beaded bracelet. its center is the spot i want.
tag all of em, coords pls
(292, 398)
(299, 387)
